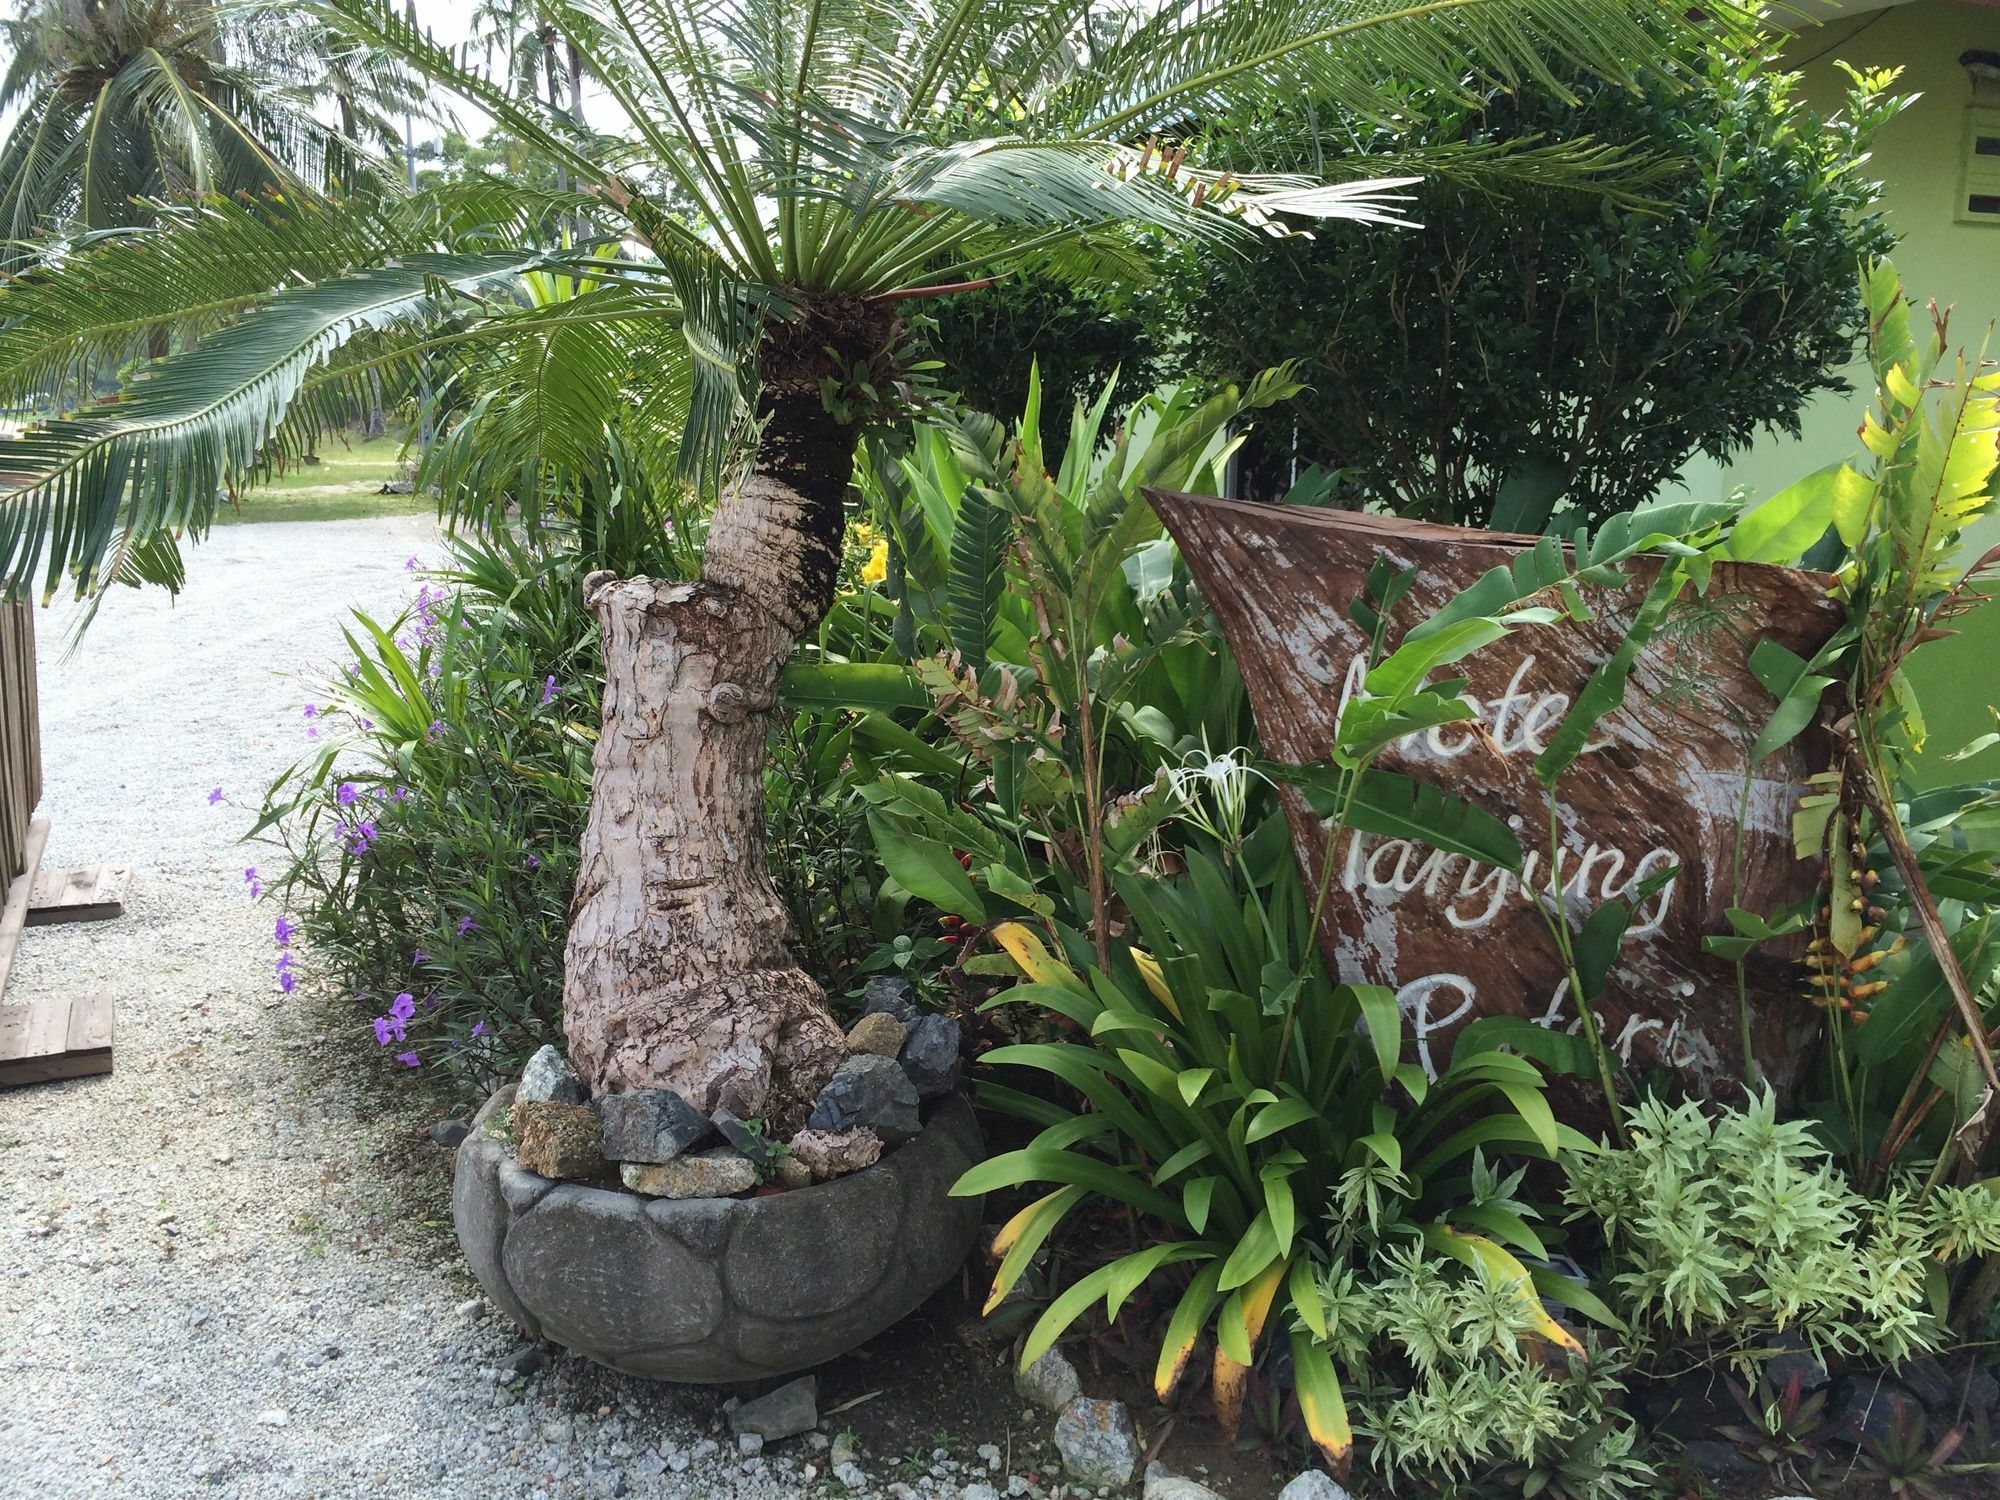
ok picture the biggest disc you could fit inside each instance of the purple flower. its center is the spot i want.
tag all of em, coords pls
(436, 731)
(256, 886)
(311, 711)
(479, 1028)
(400, 794)
(383, 1031)
(285, 961)
(465, 925)
(410, 564)
(534, 862)
(403, 1007)
(283, 931)
(419, 958)
(548, 688)
(215, 796)
(287, 981)
(407, 1059)
(348, 792)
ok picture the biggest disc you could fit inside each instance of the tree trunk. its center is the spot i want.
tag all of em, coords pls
(677, 972)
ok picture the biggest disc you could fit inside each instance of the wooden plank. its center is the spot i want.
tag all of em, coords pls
(50, 1039)
(87, 893)
(89, 1024)
(14, 915)
(1655, 792)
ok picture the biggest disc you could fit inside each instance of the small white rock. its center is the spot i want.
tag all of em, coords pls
(471, 1307)
(850, 1475)
(749, 1443)
(1313, 1485)
(990, 1453)
(272, 1418)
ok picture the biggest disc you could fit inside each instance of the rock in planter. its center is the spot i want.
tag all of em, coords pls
(717, 1290)
(557, 1140)
(826, 1154)
(892, 997)
(1097, 1442)
(1313, 1485)
(650, 1125)
(547, 1078)
(1050, 1382)
(791, 1409)
(930, 1056)
(870, 1091)
(789, 1172)
(716, 1173)
(877, 1034)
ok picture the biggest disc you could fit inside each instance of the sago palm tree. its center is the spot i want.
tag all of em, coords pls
(799, 171)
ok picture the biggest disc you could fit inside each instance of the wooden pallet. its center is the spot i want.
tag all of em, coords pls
(60, 1036)
(88, 893)
(49, 1039)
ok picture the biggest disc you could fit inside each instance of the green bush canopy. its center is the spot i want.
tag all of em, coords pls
(1580, 342)
(1557, 336)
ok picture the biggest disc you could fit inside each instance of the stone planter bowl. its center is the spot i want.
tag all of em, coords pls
(716, 1290)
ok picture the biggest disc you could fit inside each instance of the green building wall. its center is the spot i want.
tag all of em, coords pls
(1919, 160)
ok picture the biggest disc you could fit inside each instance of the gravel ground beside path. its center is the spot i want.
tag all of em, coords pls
(204, 1284)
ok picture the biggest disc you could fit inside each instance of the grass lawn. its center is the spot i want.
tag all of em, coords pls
(344, 484)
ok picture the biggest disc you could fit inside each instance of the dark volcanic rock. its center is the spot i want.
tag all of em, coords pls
(650, 1125)
(890, 996)
(930, 1056)
(871, 1091)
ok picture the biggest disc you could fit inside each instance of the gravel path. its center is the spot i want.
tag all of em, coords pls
(208, 1282)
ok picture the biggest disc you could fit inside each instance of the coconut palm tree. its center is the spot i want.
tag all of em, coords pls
(800, 173)
(124, 101)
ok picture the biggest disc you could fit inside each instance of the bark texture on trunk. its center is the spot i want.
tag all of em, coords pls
(677, 972)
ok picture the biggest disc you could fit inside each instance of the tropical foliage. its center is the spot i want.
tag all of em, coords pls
(120, 102)
(792, 165)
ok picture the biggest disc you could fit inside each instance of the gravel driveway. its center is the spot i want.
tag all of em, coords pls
(207, 1284)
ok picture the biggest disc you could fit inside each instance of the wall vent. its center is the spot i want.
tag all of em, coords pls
(1979, 184)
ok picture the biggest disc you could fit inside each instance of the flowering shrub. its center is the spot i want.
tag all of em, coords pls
(430, 834)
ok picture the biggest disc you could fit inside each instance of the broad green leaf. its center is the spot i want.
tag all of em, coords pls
(926, 869)
(1321, 1406)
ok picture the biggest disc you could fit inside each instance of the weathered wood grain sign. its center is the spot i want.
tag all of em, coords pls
(1658, 786)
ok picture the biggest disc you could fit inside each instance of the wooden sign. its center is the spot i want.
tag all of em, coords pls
(1659, 785)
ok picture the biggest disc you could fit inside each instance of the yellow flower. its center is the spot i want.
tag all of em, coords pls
(877, 567)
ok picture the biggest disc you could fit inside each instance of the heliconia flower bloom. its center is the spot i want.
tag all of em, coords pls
(407, 1059)
(347, 793)
(283, 931)
(215, 796)
(548, 688)
(403, 1007)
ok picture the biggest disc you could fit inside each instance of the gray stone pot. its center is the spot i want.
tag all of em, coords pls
(716, 1290)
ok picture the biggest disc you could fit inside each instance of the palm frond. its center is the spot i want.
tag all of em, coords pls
(159, 457)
